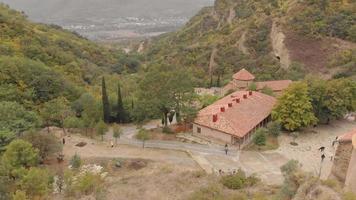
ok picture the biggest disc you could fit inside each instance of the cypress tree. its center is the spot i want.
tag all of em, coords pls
(105, 101)
(120, 117)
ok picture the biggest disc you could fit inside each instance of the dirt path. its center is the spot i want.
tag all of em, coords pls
(95, 149)
(279, 48)
(307, 152)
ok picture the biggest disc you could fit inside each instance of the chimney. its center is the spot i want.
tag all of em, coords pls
(215, 118)
(238, 100)
(222, 109)
(230, 105)
(250, 93)
(245, 96)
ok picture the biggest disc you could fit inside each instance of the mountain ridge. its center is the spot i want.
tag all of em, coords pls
(300, 46)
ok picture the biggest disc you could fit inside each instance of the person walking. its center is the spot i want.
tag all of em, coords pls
(226, 149)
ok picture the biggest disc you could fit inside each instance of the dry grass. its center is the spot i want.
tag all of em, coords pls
(271, 144)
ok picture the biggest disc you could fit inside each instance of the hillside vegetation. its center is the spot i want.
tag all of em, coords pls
(44, 67)
(273, 39)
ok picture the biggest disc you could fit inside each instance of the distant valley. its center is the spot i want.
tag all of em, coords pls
(110, 20)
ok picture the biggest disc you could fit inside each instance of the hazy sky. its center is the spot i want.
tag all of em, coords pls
(68, 10)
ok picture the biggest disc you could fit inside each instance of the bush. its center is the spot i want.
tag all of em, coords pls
(349, 196)
(88, 183)
(167, 130)
(76, 161)
(238, 181)
(252, 87)
(19, 195)
(274, 128)
(47, 144)
(260, 137)
(36, 183)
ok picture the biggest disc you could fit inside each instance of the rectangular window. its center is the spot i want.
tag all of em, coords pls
(198, 129)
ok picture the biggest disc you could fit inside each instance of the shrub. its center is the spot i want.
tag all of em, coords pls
(267, 90)
(167, 130)
(47, 144)
(88, 183)
(19, 195)
(36, 183)
(238, 180)
(212, 192)
(76, 161)
(274, 128)
(349, 196)
(260, 137)
(252, 87)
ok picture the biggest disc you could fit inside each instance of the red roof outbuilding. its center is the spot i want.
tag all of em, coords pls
(243, 75)
(241, 117)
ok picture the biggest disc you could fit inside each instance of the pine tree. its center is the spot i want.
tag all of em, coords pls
(120, 117)
(106, 105)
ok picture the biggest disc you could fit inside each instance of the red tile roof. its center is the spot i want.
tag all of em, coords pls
(348, 136)
(239, 119)
(276, 86)
(243, 75)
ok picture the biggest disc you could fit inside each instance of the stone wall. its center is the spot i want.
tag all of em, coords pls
(208, 132)
(350, 183)
(341, 162)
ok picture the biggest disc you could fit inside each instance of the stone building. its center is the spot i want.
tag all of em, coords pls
(234, 118)
(243, 79)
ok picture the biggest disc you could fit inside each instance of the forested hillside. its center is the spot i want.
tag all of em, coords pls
(273, 39)
(45, 66)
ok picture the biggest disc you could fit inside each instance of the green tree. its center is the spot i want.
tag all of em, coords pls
(260, 137)
(54, 112)
(173, 91)
(101, 129)
(332, 99)
(294, 109)
(105, 102)
(73, 122)
(116, 132)
(5, 138)
(252, 87)
(19, 153)
(47, 144)
(143, 136)
(14, 117)
(274, 128)
(76, 161)
(36, 183)
(120, 106)
(267, 90)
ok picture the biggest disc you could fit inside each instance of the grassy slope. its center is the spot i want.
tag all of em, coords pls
(193, 45)
(40, 62)
(76, 58)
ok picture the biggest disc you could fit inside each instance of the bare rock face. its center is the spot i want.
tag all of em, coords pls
(279, 48)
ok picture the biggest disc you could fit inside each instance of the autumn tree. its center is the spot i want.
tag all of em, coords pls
(294, 109)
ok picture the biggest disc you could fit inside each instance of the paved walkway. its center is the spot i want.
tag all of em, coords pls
(265, 165)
